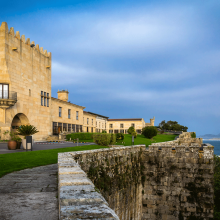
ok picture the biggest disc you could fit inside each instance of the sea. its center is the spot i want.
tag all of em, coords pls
(215, 143)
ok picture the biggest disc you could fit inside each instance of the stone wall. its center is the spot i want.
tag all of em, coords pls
(170, 180)
(117, 175)
(179, 180)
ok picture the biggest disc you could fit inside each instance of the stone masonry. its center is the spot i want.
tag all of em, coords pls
(170, 180)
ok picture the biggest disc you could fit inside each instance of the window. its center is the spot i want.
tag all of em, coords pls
(77, 128)
(110, 125)
(87, 121)
(60, 112)
(29, 92)
(55, 128)
(44, 98)
(132, 125)
(92, 121)
(122, 131)
(69, 127)
(73, 128)
(4, 92)
(64, 127)
(77, 115)
(121, 125)
(69, 113)
(92, 130)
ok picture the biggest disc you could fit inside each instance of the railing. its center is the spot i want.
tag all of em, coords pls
(8, 95)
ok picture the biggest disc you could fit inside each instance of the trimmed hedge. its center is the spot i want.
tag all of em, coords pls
(81, 136)
(104, 139)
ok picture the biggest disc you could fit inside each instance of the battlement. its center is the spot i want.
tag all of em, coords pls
(11, 33)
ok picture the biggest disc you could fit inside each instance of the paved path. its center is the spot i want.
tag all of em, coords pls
(4, 147)
(29, 194)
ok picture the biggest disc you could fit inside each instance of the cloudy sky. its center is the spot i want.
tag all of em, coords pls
(131, 58)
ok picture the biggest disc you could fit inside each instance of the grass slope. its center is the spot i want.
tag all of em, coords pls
(23, 160)
(142, 140)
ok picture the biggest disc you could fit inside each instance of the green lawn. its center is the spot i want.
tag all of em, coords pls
(142, 140)
(23, 160)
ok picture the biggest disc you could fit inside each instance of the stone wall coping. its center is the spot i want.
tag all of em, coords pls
(77, 195)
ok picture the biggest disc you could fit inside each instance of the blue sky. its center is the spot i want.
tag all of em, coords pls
(131, 59)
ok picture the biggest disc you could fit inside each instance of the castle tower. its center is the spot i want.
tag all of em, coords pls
(25, 82)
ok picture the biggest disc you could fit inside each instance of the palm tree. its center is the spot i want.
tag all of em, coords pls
(27, 130)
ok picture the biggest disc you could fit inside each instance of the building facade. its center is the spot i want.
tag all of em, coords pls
(122, 125)
(25, 94)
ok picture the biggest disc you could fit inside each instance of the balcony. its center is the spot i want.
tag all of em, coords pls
(8, 99)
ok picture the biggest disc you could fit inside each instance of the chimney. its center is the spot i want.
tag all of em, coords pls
(63, 95)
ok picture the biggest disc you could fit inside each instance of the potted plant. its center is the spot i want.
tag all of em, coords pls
(26, 130)
(13, 143)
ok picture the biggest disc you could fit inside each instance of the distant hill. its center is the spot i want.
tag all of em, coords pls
(209, 136)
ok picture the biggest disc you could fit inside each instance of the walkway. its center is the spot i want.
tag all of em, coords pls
(42, 146)
(29, 194)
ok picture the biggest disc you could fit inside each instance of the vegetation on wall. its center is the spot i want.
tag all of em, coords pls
(172, 125)
(217, 187)
(115, 173)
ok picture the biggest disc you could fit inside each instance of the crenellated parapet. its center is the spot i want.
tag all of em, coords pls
(10, 33)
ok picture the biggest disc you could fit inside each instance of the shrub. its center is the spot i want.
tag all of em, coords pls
(104, 139)
(131, 130)
(27, 130)
(120, 136)
(193, 135)
(134, 134)
(149, 132)
(81, 136)
(161, 132)
(104, 131)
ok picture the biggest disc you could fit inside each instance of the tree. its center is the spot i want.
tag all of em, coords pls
(149, 132)
(131, 130)
(172, 125)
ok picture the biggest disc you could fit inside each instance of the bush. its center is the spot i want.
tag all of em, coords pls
(193, 135)
(104, 139)
(120, 136)
(131, 130)
(104, 132)
(149, 132)
(161, 132)
(81, 136)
